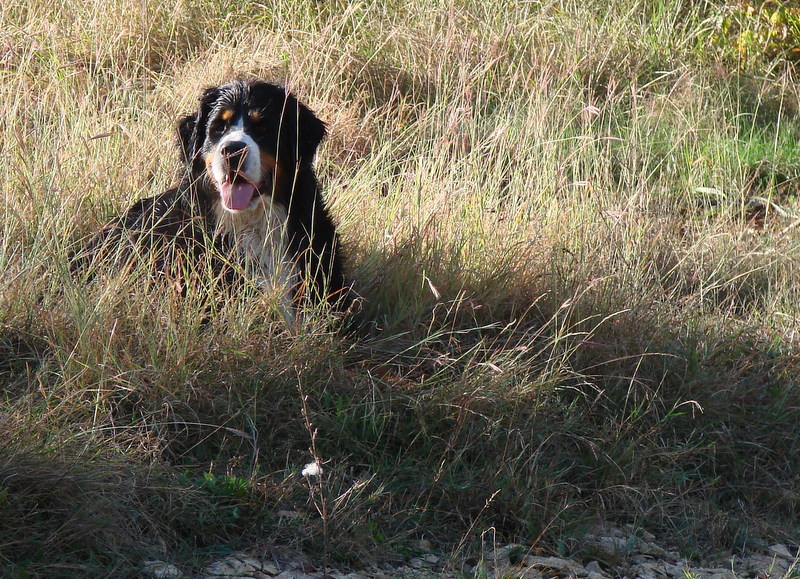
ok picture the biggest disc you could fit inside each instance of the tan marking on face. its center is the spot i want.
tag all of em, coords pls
(268, 162)
(255, 116)
(209, 158)
(226, 114)
(279, 182)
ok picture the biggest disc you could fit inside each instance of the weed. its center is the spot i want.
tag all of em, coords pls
(573, 227)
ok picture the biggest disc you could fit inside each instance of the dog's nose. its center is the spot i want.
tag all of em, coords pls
(234, 153)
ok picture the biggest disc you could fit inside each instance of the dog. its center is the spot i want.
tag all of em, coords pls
(249, 197)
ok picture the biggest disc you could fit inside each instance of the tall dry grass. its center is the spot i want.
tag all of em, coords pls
(574, 229)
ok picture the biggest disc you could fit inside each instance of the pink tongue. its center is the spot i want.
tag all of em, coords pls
(237, 196)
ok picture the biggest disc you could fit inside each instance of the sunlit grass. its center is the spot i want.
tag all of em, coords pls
(572, 307)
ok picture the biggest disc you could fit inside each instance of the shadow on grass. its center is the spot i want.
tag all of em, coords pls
(441, 421)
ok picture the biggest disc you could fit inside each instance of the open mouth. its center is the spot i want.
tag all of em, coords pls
(238, 192)
(238, 170)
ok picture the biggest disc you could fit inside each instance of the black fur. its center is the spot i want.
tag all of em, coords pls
(179, 226)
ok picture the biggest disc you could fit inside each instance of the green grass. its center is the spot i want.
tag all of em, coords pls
(572, 309)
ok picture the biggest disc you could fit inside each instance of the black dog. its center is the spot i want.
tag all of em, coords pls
(249, 196)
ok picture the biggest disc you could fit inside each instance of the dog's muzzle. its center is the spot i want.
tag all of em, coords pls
(237, 170)
(236, 189)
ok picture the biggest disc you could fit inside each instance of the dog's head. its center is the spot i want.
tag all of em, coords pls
(247, 139)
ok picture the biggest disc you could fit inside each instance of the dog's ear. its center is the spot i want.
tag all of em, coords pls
(306, 130)
(310, 132)
(192, 128)
(186, 138)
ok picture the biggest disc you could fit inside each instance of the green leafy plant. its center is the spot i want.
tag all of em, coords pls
(759, 32)
(566, 311)
(225, 485)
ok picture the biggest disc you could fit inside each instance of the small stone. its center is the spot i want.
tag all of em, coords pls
(256, 564)
(610, 545)
(161, 570)
(300, 564)
(652, 549)
(769, 564)
(424, 545)
(417, 563)
(645, 573)
(221, 569)
(781, 551)
(269, 568)
(432, 559)
(675, 570)
(555, 563)
(594, 568)
(243, 564)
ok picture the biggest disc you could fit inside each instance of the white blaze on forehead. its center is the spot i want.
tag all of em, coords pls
(237, 194)
(251, 168)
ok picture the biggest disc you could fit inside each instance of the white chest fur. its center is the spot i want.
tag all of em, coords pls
(260, 239)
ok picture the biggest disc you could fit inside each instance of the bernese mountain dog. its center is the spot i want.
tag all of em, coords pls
(249, 197)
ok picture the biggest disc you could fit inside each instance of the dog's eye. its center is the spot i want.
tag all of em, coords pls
(216, 127)
(258, 121)
(220, 121)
